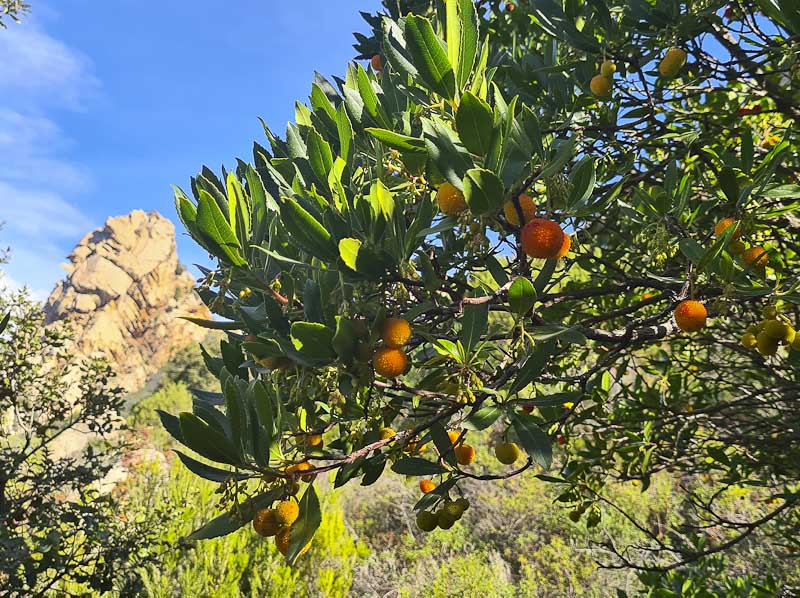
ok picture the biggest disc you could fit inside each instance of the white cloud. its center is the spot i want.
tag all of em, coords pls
(37, 66)
(40, 214)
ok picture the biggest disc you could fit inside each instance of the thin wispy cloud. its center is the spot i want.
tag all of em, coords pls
(40, 78)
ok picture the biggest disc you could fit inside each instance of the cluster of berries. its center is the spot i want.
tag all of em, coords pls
(278, 522)
(445, 518)
(390, 360)
(602, 83)
(770, 333)
(754, 257)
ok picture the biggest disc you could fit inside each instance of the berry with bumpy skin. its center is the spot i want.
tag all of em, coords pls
(749, 340)
(454, 435)
(465, 454)
(389, 362)
(724, 225)
(690, 315)
(777, 329)
(566, 244)
(287, 512)
(396, 332)
(600, 86)
(770, 312)
(507, 453)
(443, 520)
(737, 247)
(282, 540)
(562, 440)
(427, 521)
(300, 467)
(756, 257)
(672, 63)
(265, 523)
(386, 433)
(608, 68)
(542, 238)
(528, 210)
(313, 441)
(451, 201)
(462, 503)
(767, 345)
(453, 511)
(427, 486)
(376, 62)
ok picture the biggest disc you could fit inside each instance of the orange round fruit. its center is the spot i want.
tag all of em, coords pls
(600, 86)
(386, 433)
(756, 257)
(376, 62)
(724, 225)
(565, 246)
(454, 435)
(528, 210)
(691, 315)
(465, 454)
(265, 523)
(427, 486)
(672, 63)
(389, 362)
(451, 201)
(313, 441)
(287, 512)
(396, 332)
(542, 238)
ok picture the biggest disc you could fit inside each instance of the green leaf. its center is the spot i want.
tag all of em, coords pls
(475, 124)
(474, 323)
(533, 439)
(207, 472)
(306, 526)
(345, 340)
(206, 441)
(4, 322)
(441, 441)
(231, 521)
(381, 201)
(482, 418)
(429, 57)
(360, 259)
(371, 100)
(238, 210)
(583, 180)
(313, 340)
(345, 129)
(468, 43)
(566, 148)
(483, 191)
(534, 366)
(521, 296)
(320, 157)
(728, 183)
(348, 251)
(402, 143)
(216, 231)
(692, 250)
(417, 466)
(307, 231)
(214, 324)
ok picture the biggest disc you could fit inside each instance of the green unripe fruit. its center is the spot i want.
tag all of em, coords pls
(749, 340)
(575, 516)
(463, 504)
(444, 520)
(427, 521)
(452, 510)
(608, 68)
(737, 247)
(507, 453)
(752, 329)
(767, 345)
(777, 329)
(770, 312)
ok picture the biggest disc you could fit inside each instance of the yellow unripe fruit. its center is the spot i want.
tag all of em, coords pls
(528, 210)
(749, 340)
(608, 68)
(465, 454)
(790, 336)
(396, 332)
(463, 504)
(672, 63)
(507, 453)
(767, 345)
(451, 201)
(453, 511)
(600, 86)
(777, 329)
(453, 435)
(265, 523)
(427, 521)
(389, 362)
(313, 441)
(756, 257)
(386, 433)
(770, 312)
(287, 512)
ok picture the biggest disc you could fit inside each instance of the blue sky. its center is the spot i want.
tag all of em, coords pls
(104, 105)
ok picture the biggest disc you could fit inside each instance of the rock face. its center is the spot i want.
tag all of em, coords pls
(123, 294)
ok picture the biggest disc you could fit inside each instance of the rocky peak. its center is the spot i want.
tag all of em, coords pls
(123, 293)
